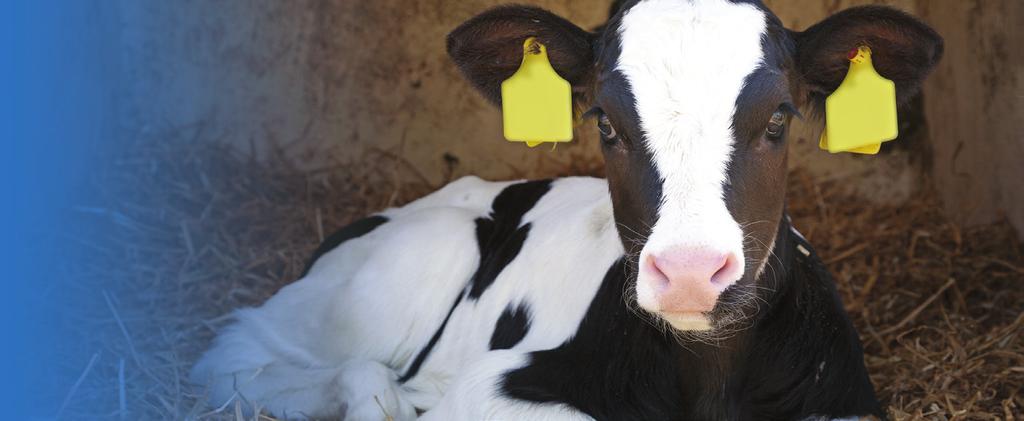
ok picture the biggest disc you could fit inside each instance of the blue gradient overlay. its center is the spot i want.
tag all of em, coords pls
(57, 108)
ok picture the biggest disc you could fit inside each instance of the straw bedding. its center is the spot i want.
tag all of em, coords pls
(177, 233)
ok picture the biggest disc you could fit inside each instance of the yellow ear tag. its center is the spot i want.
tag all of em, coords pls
(536, 103)
(861, 113)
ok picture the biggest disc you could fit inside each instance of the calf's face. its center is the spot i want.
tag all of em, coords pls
(693, 99)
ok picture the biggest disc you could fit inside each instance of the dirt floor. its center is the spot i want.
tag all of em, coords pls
(180, 232)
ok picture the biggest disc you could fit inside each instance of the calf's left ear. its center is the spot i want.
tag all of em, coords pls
(904, 49)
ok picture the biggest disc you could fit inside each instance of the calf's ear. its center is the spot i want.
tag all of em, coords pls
(904, 49)
(488, 48)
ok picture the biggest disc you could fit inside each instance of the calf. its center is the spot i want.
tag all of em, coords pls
(676, 289)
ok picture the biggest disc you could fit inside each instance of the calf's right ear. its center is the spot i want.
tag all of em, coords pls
(904, 49)
(489, 47)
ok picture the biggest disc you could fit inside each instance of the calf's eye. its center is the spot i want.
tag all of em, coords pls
(776, 126)
(605, 126)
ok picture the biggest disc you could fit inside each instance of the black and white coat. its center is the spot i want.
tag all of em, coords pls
(675, 289)
(506, 300)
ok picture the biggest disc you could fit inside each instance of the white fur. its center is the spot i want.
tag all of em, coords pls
(571, 245)
(686, 62)
(342, 335)
(475, 397)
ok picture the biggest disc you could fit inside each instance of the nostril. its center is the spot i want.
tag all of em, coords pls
(725, 274)
(659, 279)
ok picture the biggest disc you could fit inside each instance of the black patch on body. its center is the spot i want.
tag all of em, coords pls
(354, 230)
(806, 325)
(512, 327)
(499, 238)
(425, 352)
(618, 366)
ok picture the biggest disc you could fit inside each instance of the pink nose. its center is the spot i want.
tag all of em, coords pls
(685, 280)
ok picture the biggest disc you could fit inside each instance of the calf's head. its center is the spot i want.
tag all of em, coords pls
(693, 99)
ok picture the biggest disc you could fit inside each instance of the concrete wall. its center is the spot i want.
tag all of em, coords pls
(976, 110)
(326, 81)
(352, 81)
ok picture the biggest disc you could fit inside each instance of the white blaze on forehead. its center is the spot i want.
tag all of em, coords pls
(686, 62)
